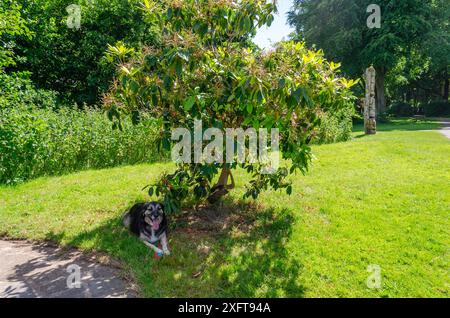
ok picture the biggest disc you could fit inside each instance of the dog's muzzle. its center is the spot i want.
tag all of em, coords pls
(155, 224)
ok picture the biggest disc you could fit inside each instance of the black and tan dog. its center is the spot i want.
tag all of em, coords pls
(148, 221)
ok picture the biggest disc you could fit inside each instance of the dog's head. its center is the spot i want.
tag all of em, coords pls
(154, 214)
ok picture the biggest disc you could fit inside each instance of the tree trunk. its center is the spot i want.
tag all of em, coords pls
(446, 88)
(221, 188)
(379, 90)
(223, 179)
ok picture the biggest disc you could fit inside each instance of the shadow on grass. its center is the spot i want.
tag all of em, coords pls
(233, 250)
(252, 259)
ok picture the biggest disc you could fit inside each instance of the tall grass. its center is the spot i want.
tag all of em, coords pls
(334, 127)
(36, 142)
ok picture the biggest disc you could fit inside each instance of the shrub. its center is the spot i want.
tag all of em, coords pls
(206, 69)
(437, 108)
(401, 109)
(17, 89)
(36, 142)
(334, 128)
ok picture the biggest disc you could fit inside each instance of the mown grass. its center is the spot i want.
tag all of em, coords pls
(382, 199)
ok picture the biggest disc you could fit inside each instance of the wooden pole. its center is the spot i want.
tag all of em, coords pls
(370, 113)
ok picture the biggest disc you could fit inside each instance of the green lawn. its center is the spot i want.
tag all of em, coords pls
(405, 124)
(382, 199)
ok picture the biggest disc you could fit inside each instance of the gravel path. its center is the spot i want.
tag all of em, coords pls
(38, 270)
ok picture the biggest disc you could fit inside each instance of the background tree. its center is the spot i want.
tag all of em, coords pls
(69, 60)
(12, 24)
(206, 68)
(423, 76)
(339, 27)
(16, 87)
(436, 51)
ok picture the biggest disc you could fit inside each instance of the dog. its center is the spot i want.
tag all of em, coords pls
(148, 222)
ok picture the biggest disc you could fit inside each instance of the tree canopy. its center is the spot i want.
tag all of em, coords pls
(339, 27)
(12, 24)
(69, 59)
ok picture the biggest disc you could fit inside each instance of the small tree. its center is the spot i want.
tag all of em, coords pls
(207, 68)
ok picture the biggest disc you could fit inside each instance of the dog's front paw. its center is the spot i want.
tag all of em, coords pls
(166, 252)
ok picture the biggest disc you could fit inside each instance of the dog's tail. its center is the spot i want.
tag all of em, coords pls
(126, 220)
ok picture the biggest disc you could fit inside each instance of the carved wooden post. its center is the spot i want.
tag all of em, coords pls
(370, 124)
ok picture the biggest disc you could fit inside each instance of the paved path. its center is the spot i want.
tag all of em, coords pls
(36, 270)
(446, 129)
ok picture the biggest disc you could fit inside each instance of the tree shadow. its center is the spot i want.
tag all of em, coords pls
(235, 249)
(254, 260)
(41, 270)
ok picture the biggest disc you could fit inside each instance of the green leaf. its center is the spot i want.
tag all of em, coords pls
(197, 27)
(135, 117)
(134, 86)
(289, 189)
(270, 19)
(259, 96)
(230, 98)
(291, 101)
(151, 60)
(247, 120)
(188, 103)
(178, 67)
(166, 143)
(200, 28)
(246, 24)
(154, 100)
(110, 114)
(298, 94)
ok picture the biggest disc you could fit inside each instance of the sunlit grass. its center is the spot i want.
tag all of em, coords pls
(405, 124)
